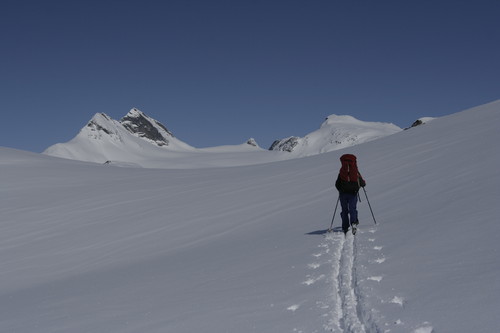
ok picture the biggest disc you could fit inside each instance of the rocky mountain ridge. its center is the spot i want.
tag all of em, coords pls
(142, 126)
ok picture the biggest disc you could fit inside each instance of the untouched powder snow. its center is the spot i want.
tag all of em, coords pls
(96, 248)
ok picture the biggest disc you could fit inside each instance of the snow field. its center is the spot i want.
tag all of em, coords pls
(94, 248)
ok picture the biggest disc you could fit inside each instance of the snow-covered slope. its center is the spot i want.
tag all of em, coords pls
(95, 248)
(335, 133)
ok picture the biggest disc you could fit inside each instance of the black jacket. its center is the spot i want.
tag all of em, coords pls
(349, 187)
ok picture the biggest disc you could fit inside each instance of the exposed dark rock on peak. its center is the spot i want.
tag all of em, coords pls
(139, 124)
(252, 142)
(285, 145)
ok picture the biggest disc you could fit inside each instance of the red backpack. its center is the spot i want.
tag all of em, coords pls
(349, 170)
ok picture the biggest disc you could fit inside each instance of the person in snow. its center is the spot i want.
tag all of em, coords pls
(348, 183)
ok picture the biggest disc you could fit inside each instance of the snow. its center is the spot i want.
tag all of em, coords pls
(339, 132)
(98, 248)
(426, 119)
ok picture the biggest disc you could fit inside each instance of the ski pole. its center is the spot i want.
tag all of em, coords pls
(369, 206)
(334, 212)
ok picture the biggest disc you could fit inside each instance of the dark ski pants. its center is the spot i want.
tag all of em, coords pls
(349, 212)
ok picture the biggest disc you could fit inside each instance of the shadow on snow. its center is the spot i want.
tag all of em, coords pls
(324, 231)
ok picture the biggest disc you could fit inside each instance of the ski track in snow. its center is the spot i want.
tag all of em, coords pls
(347, 313)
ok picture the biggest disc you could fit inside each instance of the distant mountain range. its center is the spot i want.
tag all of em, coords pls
(138, 139)
(336, 132)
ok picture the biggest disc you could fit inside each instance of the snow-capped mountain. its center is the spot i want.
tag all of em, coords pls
(134, 137)
(139, 140)
(336, 132)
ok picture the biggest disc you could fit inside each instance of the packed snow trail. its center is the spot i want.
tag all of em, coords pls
(348, 313)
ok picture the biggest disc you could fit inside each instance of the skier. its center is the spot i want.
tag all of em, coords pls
(348, 183)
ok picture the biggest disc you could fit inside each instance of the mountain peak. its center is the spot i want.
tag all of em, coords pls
(252, 142)
(127, 141)
(341, 119)
(142, 126)
(336, 132)
(135, 113)
(99, 124)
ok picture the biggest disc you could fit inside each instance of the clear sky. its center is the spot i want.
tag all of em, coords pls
(219, 72)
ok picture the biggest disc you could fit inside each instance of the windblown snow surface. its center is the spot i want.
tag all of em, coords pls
(96, 248)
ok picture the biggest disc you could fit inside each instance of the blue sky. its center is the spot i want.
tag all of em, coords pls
(219, 72)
